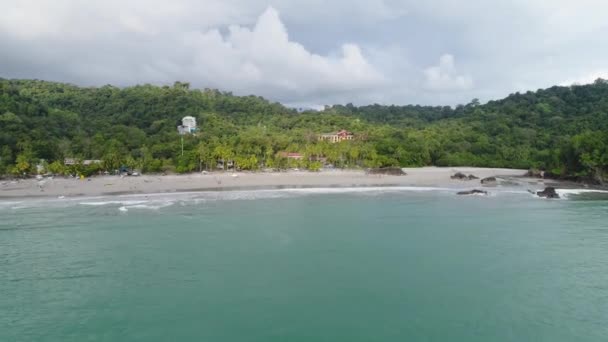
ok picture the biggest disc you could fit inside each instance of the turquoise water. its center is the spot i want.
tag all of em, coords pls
(308, 265)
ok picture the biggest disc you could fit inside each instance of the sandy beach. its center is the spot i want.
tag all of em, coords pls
(148, 184)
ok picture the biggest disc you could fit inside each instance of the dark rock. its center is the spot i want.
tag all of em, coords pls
(488, 180)
(549, 192)
(391, 171)
(460, 176)
(473, 192)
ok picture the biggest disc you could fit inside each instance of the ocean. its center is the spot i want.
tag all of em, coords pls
(365, 264)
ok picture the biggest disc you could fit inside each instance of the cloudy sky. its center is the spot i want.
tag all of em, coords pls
(311, 52)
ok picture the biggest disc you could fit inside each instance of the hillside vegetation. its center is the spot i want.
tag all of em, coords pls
(563, 130)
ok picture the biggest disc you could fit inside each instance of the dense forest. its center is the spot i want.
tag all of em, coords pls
(563, 130)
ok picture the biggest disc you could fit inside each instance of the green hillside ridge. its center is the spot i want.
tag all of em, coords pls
(563, 130)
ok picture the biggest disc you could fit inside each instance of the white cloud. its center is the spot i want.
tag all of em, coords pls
(587, 78)
(444, 76)
(260, 59)
(263, 60)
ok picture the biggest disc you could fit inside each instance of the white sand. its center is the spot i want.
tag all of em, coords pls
(147, 184)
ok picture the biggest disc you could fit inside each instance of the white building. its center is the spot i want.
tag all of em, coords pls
(188, 125)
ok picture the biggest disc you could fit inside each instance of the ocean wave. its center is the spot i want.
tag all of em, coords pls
(566, 192)
(10, 204)
(365, 189)
(162, 200)
(157, 201)
(103, 203)
(583, 194)
(146, 206)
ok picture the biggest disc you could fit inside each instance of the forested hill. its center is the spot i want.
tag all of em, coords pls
(560, 129)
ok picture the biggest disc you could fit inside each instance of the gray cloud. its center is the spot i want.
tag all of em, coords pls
(444, 76)
(311, 52)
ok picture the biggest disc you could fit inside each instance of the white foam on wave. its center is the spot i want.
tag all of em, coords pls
(569, 192)
(19, 207)
(102, 203)
(203, 197)
(149, 206)
(364, 189)
(513, 191)
(9, 204)
(126, 205)
(162, 200)
(157, 201)
(242, 195)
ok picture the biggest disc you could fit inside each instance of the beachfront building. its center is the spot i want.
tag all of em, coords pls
(188, 125)
(291, 155)
(74, 161)
(336, 137)
(91, 162)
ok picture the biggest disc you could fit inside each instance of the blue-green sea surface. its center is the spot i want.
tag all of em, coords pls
(305, 265)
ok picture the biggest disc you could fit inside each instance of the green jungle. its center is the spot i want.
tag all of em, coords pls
(562, 130)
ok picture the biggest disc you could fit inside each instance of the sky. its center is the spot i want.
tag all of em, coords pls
(310, 53)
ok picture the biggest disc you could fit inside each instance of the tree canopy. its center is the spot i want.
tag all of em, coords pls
(561, 129)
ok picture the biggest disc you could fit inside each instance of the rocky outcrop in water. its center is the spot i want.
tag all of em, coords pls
(472, 192)
(549, 192)
(390, 171)
(461, 176)
(489, 180)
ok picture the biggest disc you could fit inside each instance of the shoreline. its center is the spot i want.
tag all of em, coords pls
(227, 181)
